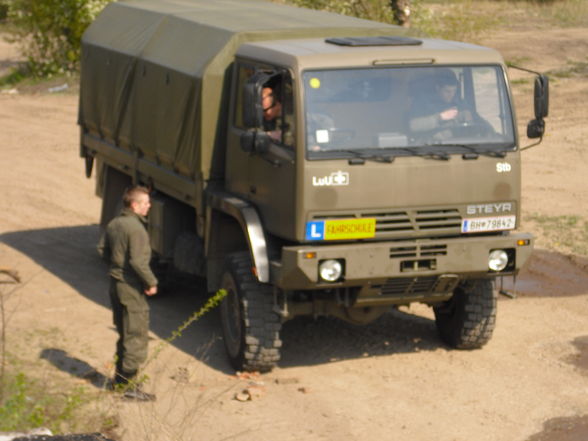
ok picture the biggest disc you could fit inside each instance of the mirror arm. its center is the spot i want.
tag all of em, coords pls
(531, 145)
(524, 69)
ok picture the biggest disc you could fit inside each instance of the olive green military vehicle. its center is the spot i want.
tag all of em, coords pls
(309, 163)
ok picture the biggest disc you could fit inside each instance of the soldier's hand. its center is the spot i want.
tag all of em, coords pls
(151, 291)
(448, 114)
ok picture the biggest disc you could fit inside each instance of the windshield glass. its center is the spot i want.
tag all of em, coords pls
(407, 110)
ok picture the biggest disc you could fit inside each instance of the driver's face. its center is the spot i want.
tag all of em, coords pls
(271, 106)
(447, 92)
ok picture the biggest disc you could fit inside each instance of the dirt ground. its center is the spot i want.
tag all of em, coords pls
(393, 379)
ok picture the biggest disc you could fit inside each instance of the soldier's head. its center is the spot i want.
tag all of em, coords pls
(446, 84)
(137, 199)
(270, 100)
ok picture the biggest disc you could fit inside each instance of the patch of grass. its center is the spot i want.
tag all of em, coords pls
(521, 82)
(469, 20)
(15, 76)
(572, 69)
(563, 233)
(22, 79)
(26, 404)
(566, 13)
(460, 20)
(518, 61)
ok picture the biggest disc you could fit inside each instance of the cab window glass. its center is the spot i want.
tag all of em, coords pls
(278, 109)
(406, 110)
(489, 99)
(244, 72)
(277, 102)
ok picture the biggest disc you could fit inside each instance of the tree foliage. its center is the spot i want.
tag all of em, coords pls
(3, 10)
(49, 32)
(369, 9)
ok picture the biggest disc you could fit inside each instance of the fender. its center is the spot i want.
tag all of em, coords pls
(248, 217)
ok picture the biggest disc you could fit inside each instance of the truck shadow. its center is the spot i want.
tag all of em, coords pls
(307, 341)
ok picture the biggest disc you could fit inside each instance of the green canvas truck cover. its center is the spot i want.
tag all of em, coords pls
(154, 72)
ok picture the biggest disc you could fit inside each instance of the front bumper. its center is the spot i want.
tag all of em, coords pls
(369, 264)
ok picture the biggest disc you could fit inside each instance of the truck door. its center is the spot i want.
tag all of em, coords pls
(264, 176)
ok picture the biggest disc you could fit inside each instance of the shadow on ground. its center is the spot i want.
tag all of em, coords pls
(563, 429)
(74, 366)
(70, 254)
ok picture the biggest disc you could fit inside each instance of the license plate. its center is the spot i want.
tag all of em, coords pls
(341, 229)
(480, 224)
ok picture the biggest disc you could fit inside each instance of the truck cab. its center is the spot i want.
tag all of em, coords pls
(391, 175)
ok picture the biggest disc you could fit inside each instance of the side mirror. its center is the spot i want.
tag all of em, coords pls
(536, 128)
(255, 141)
(89, 165)
(541, 96)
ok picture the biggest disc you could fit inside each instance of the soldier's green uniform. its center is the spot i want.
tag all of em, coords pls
(126, 247)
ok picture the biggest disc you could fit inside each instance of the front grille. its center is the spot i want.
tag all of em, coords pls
(433, 250)
(418, 250)
(406, 223)
(408, 286)
(438, 219)
(396, 252)
(398, 222)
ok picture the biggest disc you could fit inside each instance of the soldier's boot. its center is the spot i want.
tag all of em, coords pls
(135, 393)
(121, 377)
(123, 382)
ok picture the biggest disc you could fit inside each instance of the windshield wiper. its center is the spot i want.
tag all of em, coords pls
(360, 157)
(428, 154)
(473, 152)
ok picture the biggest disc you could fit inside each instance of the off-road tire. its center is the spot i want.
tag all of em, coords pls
(467, 320)
(251, 328)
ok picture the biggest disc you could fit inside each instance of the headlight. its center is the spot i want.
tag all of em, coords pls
(497, 260)
(330, 270)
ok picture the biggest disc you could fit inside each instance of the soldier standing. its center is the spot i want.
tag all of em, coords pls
(125, 246)
(401, 12)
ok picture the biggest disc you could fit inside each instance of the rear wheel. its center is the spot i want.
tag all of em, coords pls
(251, 329)
(466, 321)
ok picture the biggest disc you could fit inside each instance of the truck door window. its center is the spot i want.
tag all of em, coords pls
(244, 72)
(277, 102)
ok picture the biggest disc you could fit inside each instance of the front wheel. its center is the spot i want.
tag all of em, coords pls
(251, 329)
(467, 320)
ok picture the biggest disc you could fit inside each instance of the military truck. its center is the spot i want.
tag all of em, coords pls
(309, 163)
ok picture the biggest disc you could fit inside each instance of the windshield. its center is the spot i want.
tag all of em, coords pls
(407, 110)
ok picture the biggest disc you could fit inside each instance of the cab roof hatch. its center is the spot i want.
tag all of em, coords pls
(375, 41)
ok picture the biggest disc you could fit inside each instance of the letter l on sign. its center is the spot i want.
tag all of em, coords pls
(315, 230)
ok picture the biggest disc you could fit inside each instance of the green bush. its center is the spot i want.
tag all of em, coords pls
(49, 32)
(3, 10)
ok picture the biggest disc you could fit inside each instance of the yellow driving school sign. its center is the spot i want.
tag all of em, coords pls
(341, 229)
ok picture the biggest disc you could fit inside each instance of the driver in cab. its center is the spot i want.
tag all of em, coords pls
(437, 114)
(272, 110)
